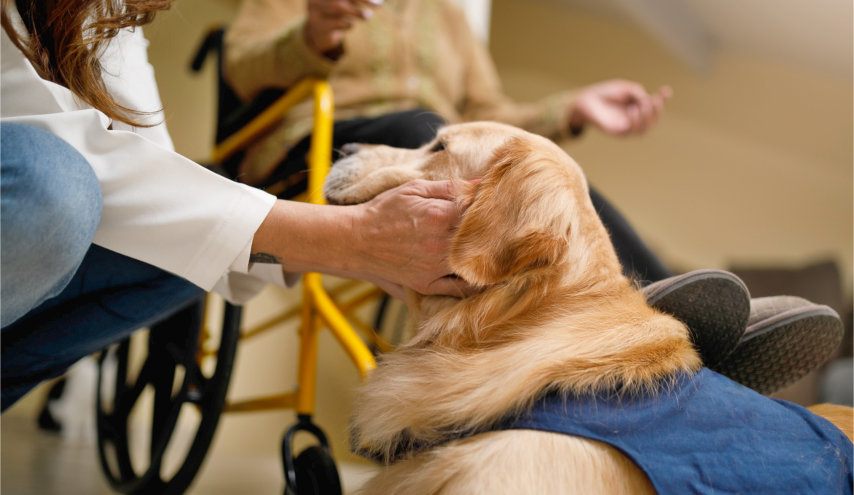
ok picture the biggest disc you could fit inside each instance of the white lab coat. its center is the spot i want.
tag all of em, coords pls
(159, 207)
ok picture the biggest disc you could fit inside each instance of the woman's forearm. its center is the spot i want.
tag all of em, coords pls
(304, 237)
(402, 236)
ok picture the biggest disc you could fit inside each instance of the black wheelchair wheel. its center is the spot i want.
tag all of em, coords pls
(139, 407)
(316, 473)
(313, 471)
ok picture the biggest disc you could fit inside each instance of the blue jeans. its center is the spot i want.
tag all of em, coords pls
(62, 297)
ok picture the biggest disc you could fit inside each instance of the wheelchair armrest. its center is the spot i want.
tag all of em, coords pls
(265, 120)
(239, 123)
(320, 155)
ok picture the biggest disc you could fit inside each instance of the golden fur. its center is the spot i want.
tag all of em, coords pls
(554, 313)
(842, 417)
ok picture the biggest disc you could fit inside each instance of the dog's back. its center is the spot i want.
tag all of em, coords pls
(841, 416)
(555, 315)
(705, 432)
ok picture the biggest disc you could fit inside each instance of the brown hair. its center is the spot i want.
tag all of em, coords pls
(65, 39)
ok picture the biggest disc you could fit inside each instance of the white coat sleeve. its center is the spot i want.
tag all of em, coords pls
(159, 207)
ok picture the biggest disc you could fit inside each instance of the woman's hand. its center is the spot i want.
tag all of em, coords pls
(405, 234)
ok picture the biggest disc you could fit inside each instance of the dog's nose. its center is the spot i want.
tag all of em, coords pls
(349, 149)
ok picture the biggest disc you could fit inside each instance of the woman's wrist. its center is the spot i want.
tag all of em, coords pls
(304, 237)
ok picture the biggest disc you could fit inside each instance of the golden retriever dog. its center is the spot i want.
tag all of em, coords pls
(555, 317)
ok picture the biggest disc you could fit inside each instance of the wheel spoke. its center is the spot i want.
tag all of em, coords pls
(197, 382)
(131, 394)
(171, 343)
(161, 426)
(120, 384)
(112, 431)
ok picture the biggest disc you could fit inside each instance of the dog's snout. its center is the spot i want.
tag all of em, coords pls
(349, 149)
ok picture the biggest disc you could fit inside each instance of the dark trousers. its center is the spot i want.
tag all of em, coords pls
(108, 298)
(413, 128)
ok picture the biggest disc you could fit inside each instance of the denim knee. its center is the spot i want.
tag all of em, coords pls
(50, 207)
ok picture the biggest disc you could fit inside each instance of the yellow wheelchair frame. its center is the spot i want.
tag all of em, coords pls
(319, 308)
(183, 346)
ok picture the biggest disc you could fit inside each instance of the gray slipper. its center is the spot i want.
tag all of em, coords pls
(713, 304)
(786, 338)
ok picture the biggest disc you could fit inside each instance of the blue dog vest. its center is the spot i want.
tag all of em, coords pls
(708, 435)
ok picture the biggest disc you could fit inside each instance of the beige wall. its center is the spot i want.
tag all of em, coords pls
(751, 163)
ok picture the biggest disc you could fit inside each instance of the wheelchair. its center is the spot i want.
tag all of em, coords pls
(185, 362)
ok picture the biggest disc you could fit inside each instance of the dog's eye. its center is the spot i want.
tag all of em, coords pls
(439, 146)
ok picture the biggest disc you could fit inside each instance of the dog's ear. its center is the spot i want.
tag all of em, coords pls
(518, 217)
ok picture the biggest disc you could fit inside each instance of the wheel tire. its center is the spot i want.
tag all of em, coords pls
(316, 473)
(172, 349)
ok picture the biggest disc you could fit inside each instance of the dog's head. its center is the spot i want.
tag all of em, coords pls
(527, 212)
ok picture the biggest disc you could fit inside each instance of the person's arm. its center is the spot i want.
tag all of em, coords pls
(158, 206)
(274, 43)
(484, 97)
(401, 237)
(616, 107)
(166, 210)
(265, 48)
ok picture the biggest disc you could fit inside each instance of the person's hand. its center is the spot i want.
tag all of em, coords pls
(617, 107)
(405, 234)
(329, 20)
(398, 239)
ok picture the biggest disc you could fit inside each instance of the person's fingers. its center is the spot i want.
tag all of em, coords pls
(393, 289)
(646, 111)
(438, 189)
(633, 114)
(630, 92)
(362, 9)
(658, 100)
(339, 8)
(367, 7)
(329, 20)
(620, 107)
(336, 24)
(366, 4)
(639, 119)
(451, 286)
(605, 114)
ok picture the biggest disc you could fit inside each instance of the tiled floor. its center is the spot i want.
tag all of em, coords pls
(33, 462)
